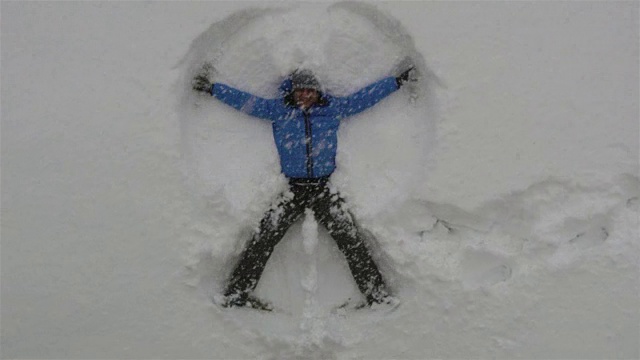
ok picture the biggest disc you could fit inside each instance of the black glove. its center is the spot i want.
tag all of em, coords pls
(406, 76)
(201, 81)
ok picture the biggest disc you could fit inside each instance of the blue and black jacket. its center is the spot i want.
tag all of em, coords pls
(306, 139)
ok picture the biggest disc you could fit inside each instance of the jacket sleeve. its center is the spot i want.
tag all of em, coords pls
(269, 109)
(366, 97)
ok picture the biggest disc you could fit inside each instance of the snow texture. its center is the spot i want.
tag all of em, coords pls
(500, 193)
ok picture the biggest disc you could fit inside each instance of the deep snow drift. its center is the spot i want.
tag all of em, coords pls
(503, 192)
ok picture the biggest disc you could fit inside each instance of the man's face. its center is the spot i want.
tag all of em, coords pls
(305, 98)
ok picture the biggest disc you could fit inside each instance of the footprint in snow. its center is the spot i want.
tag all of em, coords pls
(483, 269)
(591, 237)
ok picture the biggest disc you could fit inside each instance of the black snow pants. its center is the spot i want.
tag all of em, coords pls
(330, 211)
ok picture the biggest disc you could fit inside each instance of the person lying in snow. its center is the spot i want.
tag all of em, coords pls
(305, 125)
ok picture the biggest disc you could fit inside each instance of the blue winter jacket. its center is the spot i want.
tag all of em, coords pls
(306, 139)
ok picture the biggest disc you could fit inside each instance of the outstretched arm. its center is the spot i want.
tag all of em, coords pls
(372, 94)
(366, 97)
(240, 100)
(247, 103)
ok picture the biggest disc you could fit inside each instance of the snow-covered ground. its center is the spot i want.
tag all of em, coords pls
(502, 190)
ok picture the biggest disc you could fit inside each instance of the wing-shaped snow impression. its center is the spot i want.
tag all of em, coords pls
(230, 159)
(382, 153)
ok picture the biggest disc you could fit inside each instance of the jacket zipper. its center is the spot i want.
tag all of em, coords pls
(307, 131)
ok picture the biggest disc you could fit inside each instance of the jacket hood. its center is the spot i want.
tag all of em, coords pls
(286, 91)
(305, 79)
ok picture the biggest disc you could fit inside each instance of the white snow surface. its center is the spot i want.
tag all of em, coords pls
(500, 192)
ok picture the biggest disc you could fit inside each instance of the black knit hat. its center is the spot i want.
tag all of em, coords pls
(304, 79)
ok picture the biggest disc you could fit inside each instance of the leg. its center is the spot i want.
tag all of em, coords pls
(273, 226)
(331, 212)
